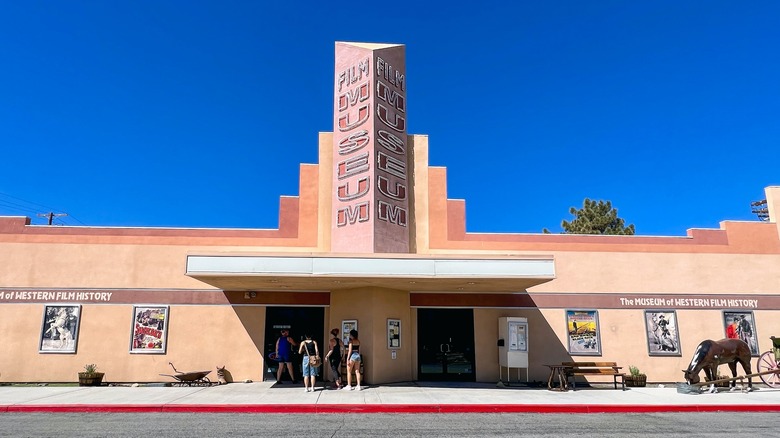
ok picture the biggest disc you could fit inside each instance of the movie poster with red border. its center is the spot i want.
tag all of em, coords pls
(150, 329)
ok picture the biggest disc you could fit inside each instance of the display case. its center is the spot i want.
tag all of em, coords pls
(513, 345)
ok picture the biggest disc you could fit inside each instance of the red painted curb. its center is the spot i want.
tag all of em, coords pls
(378, 409)
(390, 408)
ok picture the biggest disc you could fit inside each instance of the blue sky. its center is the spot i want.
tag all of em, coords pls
(197, 114)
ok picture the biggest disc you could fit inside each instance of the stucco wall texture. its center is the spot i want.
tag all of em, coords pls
(740, 258)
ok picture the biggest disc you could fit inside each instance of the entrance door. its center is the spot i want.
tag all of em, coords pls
(299, 321)
(445, 344)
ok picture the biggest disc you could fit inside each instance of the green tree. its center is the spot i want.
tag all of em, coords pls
(595, 217)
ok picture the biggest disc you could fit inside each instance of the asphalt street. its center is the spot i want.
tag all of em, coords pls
(388, 425)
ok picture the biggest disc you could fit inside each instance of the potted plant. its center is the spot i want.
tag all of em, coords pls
(90, 376)
(636, 378)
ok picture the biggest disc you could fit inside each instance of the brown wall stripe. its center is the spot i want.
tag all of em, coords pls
(163, 296)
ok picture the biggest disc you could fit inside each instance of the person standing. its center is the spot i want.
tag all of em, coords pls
(353, 360)
(334, 358)
(283, 355)
(666, 343)
(731, 330)
(745, 331)
(309, 371)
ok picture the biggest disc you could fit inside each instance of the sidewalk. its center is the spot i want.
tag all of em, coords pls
(410, 397)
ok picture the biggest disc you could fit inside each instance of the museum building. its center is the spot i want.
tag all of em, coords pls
(372, 242)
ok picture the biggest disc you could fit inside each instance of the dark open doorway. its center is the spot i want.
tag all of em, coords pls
(300, 321)
(445, 345)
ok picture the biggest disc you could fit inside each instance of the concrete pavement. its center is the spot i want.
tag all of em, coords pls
(410, 397)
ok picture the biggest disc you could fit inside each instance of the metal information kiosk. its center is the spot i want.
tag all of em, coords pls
(512, 346)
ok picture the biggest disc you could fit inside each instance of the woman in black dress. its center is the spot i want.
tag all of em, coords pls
(334, 358)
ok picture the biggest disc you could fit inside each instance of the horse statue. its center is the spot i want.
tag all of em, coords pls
(709, 354)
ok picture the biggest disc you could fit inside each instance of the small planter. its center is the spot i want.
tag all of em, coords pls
(91, 379)
(638, 381)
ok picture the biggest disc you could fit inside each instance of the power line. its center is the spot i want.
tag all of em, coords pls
(75, 219)
(32, 208)
(17, 207)
(28, 202)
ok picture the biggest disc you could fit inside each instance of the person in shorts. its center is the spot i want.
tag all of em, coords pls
(308, 348)
(283, 355)
(353, 360)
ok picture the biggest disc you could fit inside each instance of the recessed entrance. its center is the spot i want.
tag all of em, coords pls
(445, 345)
(300, 321)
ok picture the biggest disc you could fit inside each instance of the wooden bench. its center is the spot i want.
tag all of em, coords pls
(574, 369)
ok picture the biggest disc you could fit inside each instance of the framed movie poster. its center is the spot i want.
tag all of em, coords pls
(394, 334)
(582, 327)
(150, 330)
(60, 328)
(741, 325)
(663, 336)
(346, 326)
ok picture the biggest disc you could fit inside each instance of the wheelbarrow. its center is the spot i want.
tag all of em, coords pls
(196, 378)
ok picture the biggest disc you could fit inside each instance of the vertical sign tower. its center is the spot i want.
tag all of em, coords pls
(371, 174)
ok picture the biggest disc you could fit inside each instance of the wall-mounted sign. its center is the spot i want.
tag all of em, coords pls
(582, 327)
(663, 335)
(150, 329)
(371, 179)
(741, 325)
(60, 329)
(347, 325)
(393, 334)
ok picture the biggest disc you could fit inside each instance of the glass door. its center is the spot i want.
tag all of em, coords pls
(445, 344)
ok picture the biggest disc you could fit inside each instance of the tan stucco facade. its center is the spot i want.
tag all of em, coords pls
(218, 317)
(740, 258)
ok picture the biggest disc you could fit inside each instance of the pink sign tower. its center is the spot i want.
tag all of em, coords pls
(371, 175)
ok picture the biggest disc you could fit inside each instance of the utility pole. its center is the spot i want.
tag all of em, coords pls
(51, 215)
